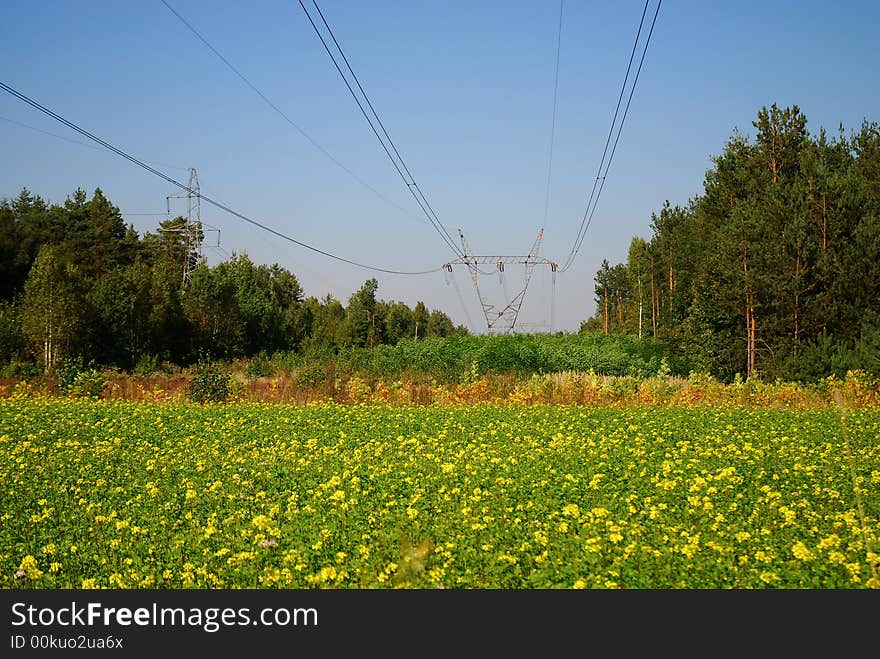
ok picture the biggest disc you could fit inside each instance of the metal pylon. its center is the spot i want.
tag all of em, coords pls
(502, 317)
(193, 230)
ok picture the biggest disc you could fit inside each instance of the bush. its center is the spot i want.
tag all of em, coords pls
(147, 365)
(210, 383)
(67, 369)
(286, 362)
(310, 375)
(358, 389)
(88, 384)
(77, 378)
(20, 370)
(258, 367)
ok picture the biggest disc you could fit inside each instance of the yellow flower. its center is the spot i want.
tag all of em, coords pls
(763, 556)
(29, 567)
(580, 584)
(801, 552)
(769, 577)
(855, 570)
(832, 540)
(261, 522)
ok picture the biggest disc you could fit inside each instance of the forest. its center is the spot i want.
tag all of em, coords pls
(773, 270)
(77, 283)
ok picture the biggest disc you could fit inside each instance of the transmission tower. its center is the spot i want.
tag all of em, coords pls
(192, 230)
(502, 317)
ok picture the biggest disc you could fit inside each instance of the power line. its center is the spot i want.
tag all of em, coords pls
(600, 177)
(410, 182)
(72, 141)
(449, 275)
(50, 134)
(582, 228)
(221, 250)
(185, 188)
(381, 125)
(281, 113)
(553, 121)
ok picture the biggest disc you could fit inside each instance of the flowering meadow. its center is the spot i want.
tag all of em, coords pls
(117, 494)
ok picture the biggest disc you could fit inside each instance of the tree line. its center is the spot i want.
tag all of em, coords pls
(76, 282)
(773, 270)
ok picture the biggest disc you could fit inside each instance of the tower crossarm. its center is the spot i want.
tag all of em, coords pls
(504, 316)
(484, 259)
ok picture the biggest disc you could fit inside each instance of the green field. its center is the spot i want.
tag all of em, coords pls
(141, 495)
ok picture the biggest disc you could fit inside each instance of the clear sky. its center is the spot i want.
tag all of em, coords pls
(465, 89)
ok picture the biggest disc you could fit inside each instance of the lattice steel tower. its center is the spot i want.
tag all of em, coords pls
(192, 230)
(504, 316)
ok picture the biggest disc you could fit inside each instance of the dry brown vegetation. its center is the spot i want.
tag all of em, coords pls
(566, 388)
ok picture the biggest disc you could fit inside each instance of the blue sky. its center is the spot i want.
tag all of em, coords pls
(465, 89)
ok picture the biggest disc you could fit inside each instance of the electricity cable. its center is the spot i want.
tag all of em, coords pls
(281, 113)
(410, 182)
(85, 144)
(604, 176)
(378, 119)
(600, 178)
(553, 120)
(185, 188)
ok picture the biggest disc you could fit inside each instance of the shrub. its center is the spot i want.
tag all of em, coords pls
(358, 389)
(285, 362)
(210, 383)
(147, 365)
(258, 367)
(20, 370)
(310, 375)
(87, 384)
(66, 370)
(77, 378)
